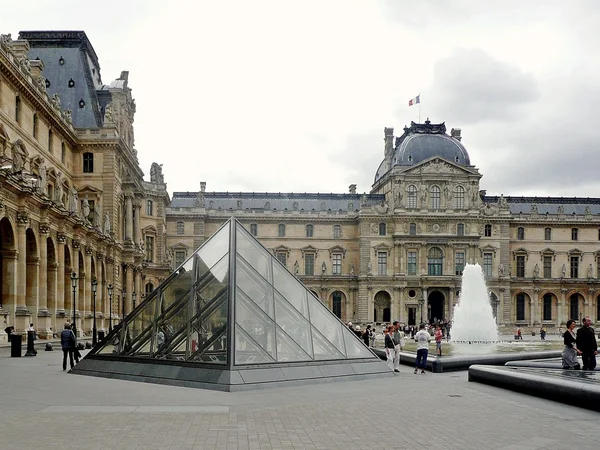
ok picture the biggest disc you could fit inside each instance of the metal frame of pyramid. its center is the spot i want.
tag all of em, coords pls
(232, 317)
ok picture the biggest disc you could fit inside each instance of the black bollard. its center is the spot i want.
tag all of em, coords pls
(30, 348)
(15, 345)
(49, 347)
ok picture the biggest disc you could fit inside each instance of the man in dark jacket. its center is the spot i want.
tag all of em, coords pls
(67, 342)
(587, 344)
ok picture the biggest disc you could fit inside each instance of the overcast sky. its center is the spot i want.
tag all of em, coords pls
(293, 96)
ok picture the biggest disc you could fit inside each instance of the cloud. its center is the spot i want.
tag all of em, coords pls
(471, 87)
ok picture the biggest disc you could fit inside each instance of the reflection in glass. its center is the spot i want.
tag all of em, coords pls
(254, 253)
(256, 323)
(290, 288)
(294, 324)
(254, 286)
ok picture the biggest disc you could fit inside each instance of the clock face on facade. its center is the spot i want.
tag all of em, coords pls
(436, 227)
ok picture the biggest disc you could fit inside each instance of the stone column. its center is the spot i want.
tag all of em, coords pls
(128, 218)
(77, 299)
(535, 301)
(397, 253)
(86, 301)
(136, 224)
(560, 306)
(60, 282)
(44, 318)
(22, 314)
(589, 305)
(129, 288)
(425, 311)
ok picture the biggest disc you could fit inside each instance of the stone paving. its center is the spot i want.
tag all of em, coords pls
(44, 407)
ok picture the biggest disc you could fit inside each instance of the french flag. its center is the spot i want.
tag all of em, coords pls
(415, 100)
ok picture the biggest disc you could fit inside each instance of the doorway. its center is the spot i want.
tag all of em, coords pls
(436, 301)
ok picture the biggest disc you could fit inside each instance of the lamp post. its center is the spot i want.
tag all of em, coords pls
(123, 293)
(74, 285)
(421, 303)
(133, 296)
(94, 289)
(110, 292)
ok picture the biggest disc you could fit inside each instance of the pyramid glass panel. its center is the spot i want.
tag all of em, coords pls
(254, 286)
(293, 323)
(324, 349)
(324, 321)
(247, 350)
(209, 331)
(290, 288)
(288, 350)
(254, 253)
(252, 319)
(355, 348)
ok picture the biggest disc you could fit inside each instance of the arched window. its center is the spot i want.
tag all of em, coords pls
(435, 197)
(88, 162)
(281, 230)
(435, 260)
(411, 196)
(337, 231)
(547, 312)
(459, 197)
(336, 303)
(149, 288)
(309, 230)
(520, 306)
(460, 229)
(487, 231)
(382, 230)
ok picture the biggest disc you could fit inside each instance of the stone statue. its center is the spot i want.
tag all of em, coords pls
(423, 194)
(590, 272)
(323, 268)
(369, 267)
(351, 268)
(58, 189)
(56, 101)
(43, 177)
(501, 270)
(19, 156)
(156, 175)
(106, 229)
(73, 201)
(296, 267)
(502, 202)
(588, 210)
(109, 113)
(169, 256)
(448, 193)
(68, 115)
(536, 271)
(560, 210)
(85, 208)
(563, 271)
(534, 209)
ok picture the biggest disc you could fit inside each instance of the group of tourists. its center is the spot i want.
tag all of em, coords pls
(394, 343)
(581, 343)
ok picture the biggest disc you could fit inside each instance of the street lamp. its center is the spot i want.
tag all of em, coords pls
(421, 303)
(94, 289)
(123, 293)
(110, 291)
(133, 296)
(74, 285)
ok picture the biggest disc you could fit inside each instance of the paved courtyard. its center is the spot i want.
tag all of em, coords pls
(44, 407)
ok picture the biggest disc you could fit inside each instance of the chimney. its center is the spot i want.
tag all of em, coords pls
(203, 186)
(37, 66)
(352, 188)
(455, 133)
(20, 49)
(389, 142)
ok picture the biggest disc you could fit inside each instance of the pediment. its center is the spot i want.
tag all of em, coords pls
(309, 249)
(382, 248)
(179, 246)
(150, 229)
(281, 249)
(438, 165)
(89, 189)
(337, 249)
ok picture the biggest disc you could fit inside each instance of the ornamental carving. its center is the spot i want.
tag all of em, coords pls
(61, 238)
(23, 218)
(44, 229)
(488, 210)
(438, 166)
(88, 250)
(76, 244)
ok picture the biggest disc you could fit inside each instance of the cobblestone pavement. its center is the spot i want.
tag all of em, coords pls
(44, 407)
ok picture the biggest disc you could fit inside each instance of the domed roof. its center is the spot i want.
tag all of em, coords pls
(424, 141)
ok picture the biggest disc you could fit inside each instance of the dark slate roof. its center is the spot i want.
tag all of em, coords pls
(550, 205)
(421, 142)
(79, 63)
(277, 201)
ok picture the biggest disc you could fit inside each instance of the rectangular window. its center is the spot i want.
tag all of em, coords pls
(459, 198)
(63, 152)
(547, 234)
(574, 266)
(18, 109)
(574, 233)
(282, 258)
(488, 230)
(547, 266)
(459, 263)
(382, 263)
(412, 263)
(520, 307)
(521, 266)
(50, 140)
(281, 230)
(487, 264)
(180, 227)
(149, 248)
(149, 207)
(179, 257)
(435, 197)
(411, 197)
(309, 264)
(254, 229)
(337, 264)
(460, 229)
(88, 162)
(337, 231)
(35, 126)
(309, 230)
(412, 229)
(382, 229)
(520, 233)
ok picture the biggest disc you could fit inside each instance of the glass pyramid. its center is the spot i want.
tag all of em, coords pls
(232, 304)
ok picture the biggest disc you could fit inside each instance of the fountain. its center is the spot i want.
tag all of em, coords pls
(473, 317)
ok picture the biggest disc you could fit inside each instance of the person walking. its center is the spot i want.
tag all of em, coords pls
(438, 339)
(366, 336)
(587, 344)
(67, 342)
(397, 338)
(570, 352)
(390, 350)
(423, 338)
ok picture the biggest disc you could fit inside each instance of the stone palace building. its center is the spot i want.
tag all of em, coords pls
(76, 215)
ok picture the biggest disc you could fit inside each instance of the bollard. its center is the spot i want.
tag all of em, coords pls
(15, 345)
(49, 347)
(80, 346)
(30, 340)
(88, 345)
(100, 335)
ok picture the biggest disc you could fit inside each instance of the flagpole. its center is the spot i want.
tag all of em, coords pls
(419, 107)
